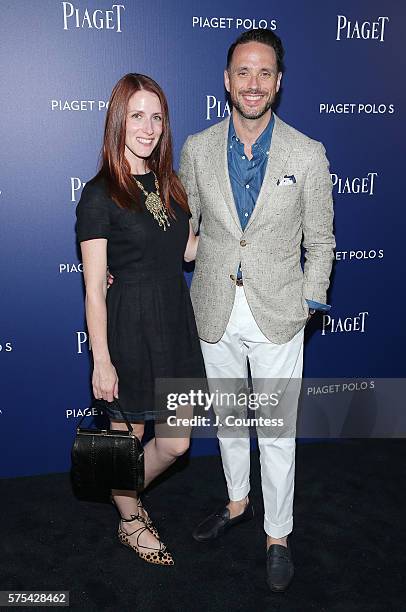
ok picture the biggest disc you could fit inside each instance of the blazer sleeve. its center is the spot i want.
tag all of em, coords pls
(188, 179)
(93, 213)
(318, 237)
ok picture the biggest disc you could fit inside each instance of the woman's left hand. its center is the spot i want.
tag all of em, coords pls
(192, 244)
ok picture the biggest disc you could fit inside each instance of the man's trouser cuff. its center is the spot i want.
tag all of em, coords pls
(278, 531)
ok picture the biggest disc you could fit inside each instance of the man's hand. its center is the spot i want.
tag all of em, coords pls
(311, 313)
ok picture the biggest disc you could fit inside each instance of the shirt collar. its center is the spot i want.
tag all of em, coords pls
(263, 142)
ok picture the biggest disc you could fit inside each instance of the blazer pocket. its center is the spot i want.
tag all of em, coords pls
(287, 189)
(286, 197)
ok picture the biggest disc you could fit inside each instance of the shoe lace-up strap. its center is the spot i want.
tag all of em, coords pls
(162, 547)
(134, 517)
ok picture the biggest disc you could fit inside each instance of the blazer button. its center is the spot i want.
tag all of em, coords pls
(232, 277)
(243, 243)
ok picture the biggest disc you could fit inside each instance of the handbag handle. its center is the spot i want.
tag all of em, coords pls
(102, 403)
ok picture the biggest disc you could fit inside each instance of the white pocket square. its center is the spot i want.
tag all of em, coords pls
(286, 180)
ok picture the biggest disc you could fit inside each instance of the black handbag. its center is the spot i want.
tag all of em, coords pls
(105, 459)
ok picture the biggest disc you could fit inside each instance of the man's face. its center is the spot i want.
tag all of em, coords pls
(252, 79)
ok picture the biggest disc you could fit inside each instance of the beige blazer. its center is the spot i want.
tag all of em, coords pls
(287, 215)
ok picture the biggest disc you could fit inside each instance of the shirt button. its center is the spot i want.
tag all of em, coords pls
(243, 243)
(247, 186)
(246, 215)
(243, 157)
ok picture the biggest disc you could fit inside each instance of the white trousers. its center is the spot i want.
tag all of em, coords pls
(227, 359)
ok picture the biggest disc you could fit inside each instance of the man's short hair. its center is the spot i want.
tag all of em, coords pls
(266, 37)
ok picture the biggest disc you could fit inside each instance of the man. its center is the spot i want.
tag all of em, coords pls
(258, 189)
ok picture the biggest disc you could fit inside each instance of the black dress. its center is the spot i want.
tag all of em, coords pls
(151, 327)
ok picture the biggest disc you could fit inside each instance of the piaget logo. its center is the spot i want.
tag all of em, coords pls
(74, 413)
(344, 324)
(359, 255)
(238, 23)
(98, 19)
(352, 108)
(355, 185)
(6, 347)
(366, 30)
(78, 105)
(66, 268)
(216, 108)
(76, 186)
(81, 342)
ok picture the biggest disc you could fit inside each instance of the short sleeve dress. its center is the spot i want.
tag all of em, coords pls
(151, 328)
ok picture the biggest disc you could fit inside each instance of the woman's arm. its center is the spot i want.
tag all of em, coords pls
(192, 244)
(94, 255)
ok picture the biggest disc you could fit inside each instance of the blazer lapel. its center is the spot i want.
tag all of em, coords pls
(278, 156)
(218, 154)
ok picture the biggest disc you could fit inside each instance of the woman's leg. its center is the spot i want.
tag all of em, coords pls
(128, 506)
(169, 444)
(159, 453)
(127, 501)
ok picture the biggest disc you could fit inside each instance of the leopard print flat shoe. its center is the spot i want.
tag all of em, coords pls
(158, 556)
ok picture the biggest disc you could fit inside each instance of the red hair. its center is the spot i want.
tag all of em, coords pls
(115, 167)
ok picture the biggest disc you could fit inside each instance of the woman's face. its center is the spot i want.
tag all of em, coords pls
(143, 128)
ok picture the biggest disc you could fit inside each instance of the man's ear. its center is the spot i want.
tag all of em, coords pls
(278, 82)
(226, 80)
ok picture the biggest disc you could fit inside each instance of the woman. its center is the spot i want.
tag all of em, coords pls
(133, 217)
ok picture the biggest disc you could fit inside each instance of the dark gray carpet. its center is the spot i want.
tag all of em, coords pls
(348, 542)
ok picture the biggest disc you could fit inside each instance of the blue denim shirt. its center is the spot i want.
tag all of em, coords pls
(247, 175)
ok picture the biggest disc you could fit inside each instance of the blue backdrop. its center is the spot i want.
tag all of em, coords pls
(343, 85)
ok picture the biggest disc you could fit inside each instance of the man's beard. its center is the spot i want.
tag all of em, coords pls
(258, 113)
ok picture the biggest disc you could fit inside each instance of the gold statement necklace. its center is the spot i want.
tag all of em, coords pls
(154, 204)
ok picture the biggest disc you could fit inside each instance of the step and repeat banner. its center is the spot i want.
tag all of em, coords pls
(343, 85)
